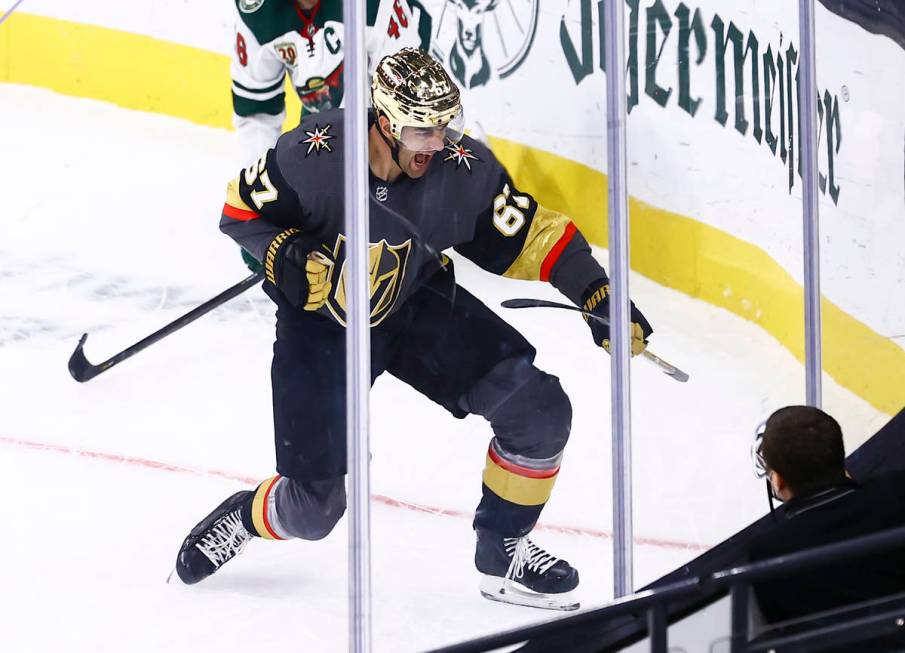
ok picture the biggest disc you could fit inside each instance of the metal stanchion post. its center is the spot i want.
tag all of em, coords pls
(807, 109)
(619, 298)
(358, 358)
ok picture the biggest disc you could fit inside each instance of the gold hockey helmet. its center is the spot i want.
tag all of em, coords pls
(419, 99)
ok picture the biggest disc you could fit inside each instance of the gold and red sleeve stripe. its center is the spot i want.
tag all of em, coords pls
(260, 507)
(548, 235)
(235, 207)
(517, 484)
(557, 250)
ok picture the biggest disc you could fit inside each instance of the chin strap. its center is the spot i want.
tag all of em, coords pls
(392, 144)
(770, 499)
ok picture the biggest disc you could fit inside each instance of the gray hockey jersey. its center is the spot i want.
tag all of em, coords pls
(465, 200)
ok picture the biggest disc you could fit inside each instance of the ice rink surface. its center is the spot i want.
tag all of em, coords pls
(109, 226)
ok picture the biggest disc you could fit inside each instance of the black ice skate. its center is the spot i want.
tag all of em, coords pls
(218, 538)
(518, 571)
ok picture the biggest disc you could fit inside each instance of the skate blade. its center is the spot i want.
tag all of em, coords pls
(505, 590)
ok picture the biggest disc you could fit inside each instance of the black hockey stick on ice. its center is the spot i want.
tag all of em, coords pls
(82, 370)
(667, 368)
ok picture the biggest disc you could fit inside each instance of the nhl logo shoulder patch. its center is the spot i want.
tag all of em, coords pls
(318, 140)
(460, 154)
(250, 6)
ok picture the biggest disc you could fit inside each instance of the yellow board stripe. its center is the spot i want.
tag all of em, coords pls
(130, 70)
(715, 266)
(137, 72)
(517, 489)
(259, 510)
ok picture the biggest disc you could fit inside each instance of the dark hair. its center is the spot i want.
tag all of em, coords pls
(804, 445)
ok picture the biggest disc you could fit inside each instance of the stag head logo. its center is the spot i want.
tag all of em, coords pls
(467, 59)
(484, 39)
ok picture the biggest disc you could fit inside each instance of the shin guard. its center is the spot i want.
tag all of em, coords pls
(515, 490)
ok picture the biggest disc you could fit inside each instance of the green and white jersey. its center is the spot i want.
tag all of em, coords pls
(275, 38)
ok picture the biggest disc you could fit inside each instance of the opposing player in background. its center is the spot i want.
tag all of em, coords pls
(304, 39)
(431, 189)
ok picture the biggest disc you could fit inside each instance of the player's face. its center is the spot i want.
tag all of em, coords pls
(416, 152)
(414, 162)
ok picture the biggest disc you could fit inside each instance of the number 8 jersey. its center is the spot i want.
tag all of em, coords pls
(277, 37)
(465, 200)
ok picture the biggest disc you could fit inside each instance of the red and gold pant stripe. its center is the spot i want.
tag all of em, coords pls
(260, 507)
(518, 484)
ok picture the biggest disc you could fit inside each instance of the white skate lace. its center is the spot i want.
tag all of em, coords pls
(525, 552)
(226, 539)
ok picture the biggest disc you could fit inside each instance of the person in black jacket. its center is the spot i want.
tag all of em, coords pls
(803, 455)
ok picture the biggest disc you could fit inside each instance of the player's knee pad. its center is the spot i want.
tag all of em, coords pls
(284, 508)
(535, 417)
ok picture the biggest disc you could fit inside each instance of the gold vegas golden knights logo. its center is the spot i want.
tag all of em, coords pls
(386, 268)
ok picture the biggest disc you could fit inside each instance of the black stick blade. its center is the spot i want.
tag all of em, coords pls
(543, 303)
(521, 303)
(79, 366)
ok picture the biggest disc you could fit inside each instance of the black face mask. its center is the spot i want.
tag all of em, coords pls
(770, 496)
(760, 467)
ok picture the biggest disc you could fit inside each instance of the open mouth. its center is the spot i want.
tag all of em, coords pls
(421, 159)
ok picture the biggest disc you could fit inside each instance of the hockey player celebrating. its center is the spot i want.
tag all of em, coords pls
(304, 39)
(431, 189)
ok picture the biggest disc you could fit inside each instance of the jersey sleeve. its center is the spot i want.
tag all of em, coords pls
(260, 204)
(394, 27)
(516, 237)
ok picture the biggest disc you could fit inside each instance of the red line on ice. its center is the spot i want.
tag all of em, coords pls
(377, 498)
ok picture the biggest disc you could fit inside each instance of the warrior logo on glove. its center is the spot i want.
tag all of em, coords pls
(597, 301)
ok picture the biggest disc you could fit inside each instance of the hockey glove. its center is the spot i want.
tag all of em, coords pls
(597, 301)
(296, 266)
(251, 262)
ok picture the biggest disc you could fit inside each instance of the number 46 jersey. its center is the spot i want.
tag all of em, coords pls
(277, 37)
(465, 200)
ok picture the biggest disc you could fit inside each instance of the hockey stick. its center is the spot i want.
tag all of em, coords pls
(82, 370)
(10, 12)
(668, 369)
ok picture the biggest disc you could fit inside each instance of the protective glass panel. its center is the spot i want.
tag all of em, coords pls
(493, 210)
(113, 232)
(860, 158)
(172, 430)
(713, 158)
